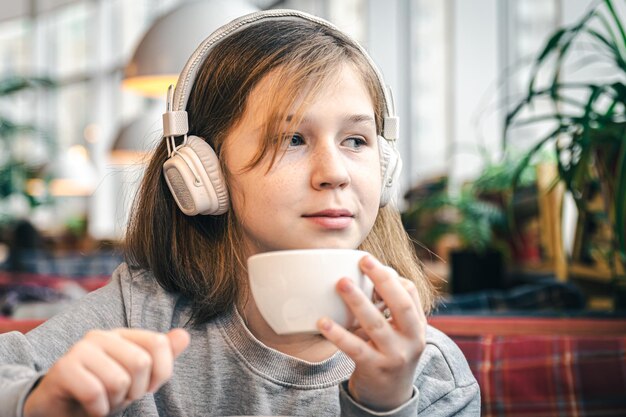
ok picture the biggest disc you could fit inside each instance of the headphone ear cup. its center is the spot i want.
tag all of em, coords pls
(195, 179)
(390, 166)
(212, 168)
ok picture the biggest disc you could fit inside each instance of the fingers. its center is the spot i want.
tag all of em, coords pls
(351, 344)
(392, 294)
(179, 340)
(385, 350)
(106, 370)
(85, 388)
(399, 295)
(147, 355)
(109, 373)
(410, 288)
(161, 351)
(370, 319)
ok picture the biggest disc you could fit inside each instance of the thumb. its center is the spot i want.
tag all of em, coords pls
(179, 340)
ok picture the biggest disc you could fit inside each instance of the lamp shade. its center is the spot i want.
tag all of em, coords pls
(73, 174)
(163, 51)
(137, 138)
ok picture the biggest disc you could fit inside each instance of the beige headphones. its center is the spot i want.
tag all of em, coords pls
(192, 170)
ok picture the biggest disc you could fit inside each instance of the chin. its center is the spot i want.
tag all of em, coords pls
(331, 244)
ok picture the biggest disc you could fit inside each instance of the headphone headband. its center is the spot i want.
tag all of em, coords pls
(175, 119)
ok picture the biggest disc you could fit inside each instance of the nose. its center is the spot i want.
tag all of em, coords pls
(329, 170)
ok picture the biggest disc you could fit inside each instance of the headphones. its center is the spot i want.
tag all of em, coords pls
(192, 170)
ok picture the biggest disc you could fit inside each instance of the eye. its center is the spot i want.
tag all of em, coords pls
(294, 140)
(355, 142)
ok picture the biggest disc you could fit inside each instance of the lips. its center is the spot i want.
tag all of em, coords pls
(333, 219)
(331, 213)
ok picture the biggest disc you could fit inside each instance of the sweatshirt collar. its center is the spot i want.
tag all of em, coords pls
(279, 366)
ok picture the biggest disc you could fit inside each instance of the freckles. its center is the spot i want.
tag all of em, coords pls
(280, 180)
(267, 192)
(265, 200)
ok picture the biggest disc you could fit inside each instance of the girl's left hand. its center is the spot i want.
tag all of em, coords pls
(385, 351)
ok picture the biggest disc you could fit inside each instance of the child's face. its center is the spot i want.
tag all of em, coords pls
(325, 190)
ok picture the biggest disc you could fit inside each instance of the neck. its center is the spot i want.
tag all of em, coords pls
(308, 347)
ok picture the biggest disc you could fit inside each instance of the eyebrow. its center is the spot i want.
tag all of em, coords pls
(353, 119)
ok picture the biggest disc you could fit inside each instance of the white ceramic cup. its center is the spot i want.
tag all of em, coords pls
(293, 289)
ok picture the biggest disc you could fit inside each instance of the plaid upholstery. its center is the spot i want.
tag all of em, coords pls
(547, 374)
(12, 279)
(9, 325)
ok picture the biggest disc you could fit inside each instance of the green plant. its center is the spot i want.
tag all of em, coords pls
(472, 220)
(14, 170)
(498, 176)
(587, 116)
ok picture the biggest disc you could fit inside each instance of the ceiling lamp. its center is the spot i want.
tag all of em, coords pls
(170, 41)
(74, 174)
(137, 138)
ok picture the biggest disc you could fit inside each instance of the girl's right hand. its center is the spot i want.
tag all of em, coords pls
(105, 371)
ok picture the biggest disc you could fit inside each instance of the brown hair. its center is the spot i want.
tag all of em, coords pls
(202, 256)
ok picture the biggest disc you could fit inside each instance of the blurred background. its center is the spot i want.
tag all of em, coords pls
(513, 138)
(82, 87)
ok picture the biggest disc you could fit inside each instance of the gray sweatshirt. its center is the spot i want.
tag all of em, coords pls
(225, 371)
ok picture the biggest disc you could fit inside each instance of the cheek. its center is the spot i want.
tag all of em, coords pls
(372, 178)
(253, 196)
(369, 190)
(239, 195)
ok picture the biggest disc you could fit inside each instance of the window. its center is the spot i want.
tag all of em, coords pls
(455, 66)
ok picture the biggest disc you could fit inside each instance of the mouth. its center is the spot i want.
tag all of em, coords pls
(332, 219)
(330, 213)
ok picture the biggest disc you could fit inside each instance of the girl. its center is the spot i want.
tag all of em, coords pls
(287, 114)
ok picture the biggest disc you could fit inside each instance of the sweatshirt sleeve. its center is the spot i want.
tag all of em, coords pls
(350, 408)
(444, 385)
(24, 358)
(461, 401)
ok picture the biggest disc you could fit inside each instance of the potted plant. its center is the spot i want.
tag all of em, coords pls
(586, 120)
(469, 227)
(14, 169)
(520, 205)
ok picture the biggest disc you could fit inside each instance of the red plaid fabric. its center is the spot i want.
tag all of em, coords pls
(89, 283)
(548, 376)
(9, 325)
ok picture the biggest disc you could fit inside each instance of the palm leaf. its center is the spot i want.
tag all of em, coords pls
(16, 83)
(590, 114)
(617, 20)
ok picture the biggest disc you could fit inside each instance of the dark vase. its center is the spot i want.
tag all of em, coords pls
(619, 296)
(473, 271)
